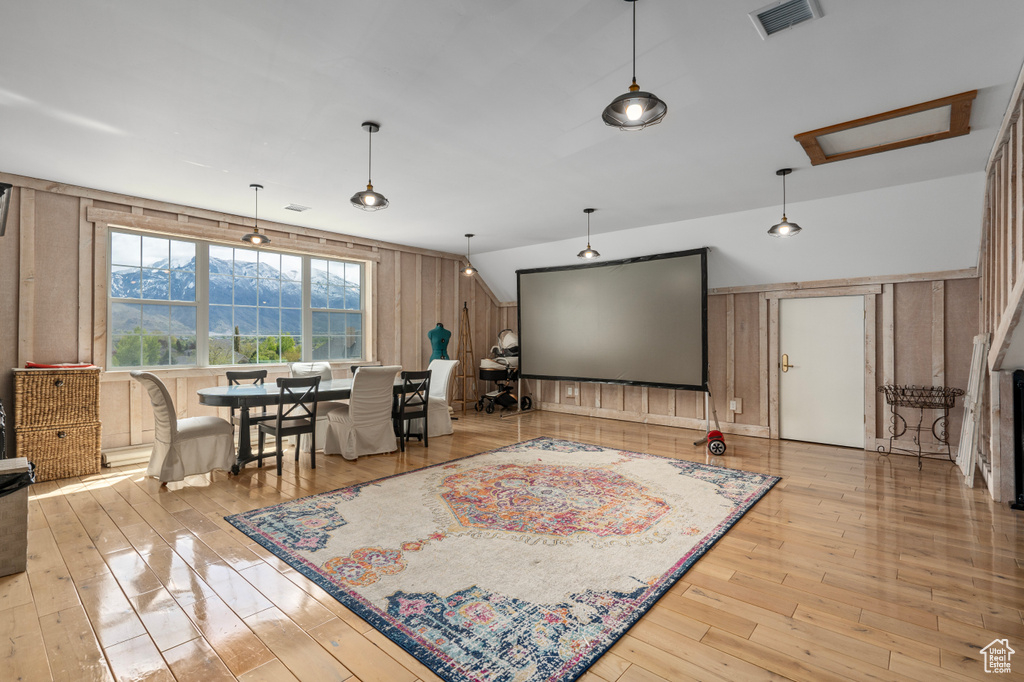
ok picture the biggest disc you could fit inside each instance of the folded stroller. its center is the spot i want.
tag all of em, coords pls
(502, 369)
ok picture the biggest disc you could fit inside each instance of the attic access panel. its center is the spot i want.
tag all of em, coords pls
(939, 119)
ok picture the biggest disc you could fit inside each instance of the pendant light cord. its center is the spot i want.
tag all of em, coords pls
(256, 216)
(369, 160)
(784, 195)
(588, 226)
(634, 41)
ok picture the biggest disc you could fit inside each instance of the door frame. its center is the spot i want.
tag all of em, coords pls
(869, 292)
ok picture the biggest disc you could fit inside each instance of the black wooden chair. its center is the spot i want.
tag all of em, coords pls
(238, 377)
(413, 403)
(296, 415)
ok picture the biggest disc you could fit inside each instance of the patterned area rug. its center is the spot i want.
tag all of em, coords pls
(521, 564)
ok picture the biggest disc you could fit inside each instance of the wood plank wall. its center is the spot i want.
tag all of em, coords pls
(1001, 266)
(53, 268)
(921, 335)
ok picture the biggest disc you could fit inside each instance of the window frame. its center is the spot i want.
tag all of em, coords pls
(202, 302)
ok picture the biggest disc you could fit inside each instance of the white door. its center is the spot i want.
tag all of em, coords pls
(821, 391)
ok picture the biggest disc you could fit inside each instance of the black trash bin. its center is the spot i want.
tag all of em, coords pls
(16, 475)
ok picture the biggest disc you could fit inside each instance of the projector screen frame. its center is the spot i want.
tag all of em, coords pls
(702, 252)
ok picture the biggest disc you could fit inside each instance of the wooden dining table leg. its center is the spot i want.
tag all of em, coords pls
(244, 441)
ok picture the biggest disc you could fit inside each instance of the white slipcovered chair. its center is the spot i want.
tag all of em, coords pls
(439, 418)
(183, 447)
(323, 370)
(364, 425)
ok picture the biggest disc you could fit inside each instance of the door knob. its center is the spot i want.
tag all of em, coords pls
(785, 363)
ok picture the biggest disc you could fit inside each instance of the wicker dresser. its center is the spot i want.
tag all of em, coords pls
(56, 420)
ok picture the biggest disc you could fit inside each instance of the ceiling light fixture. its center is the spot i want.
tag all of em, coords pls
(785, 228)
(636, 109)
(588, 253)
(469, 270)
(369, 200)
(255, 238)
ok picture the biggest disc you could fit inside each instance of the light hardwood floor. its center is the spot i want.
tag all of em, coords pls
(854, 566)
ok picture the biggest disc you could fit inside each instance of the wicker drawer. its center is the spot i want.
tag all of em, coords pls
(51, 397)
(61, 451)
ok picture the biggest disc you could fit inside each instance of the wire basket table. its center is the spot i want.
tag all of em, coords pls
(921, 398)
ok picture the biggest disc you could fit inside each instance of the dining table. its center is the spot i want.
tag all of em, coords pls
(247, 396)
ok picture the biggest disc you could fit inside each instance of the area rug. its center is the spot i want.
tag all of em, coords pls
(521, 564)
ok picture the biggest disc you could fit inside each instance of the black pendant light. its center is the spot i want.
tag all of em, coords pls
(785, 228)
(255, 238)
(588, 253)
(636, 109)
(369, 200)
(469, 270)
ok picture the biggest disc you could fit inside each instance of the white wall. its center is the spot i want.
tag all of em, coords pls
(921, 227)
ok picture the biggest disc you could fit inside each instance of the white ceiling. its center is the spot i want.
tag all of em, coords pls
(490, 110)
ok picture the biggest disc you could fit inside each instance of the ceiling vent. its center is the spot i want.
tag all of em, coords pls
(780, 16)
(298, 208)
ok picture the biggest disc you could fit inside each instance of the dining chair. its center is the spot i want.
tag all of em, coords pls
(364, 425)
(323, 370)
(183, 447)
(296, 415)
(255, 377)
(413, 404)
(439, 418)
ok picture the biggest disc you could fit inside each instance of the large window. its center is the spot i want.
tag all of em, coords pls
(336, 300)
(179, 302)
(153, 301)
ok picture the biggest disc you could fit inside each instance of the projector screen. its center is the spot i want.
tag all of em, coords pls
(639, 321)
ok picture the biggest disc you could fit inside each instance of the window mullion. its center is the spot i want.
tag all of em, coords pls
(307, 310)
(202, 304)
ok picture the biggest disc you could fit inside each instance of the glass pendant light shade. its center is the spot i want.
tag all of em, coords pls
(636, 109)
(255, 238)
(588, 253)
(785, 228)
(469, 270)
(368, 200)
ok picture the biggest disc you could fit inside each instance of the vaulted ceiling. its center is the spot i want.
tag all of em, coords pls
(490, 111)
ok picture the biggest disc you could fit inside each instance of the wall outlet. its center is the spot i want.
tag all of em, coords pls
(736, 405)
(569, 391)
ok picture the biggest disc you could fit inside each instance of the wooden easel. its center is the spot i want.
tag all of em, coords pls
(466, 367)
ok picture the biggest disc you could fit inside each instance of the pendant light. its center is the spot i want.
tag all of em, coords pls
(369, 200)
(785, 228)
(636, 109)
(255, 238)
(469, 270)
(588, 253)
